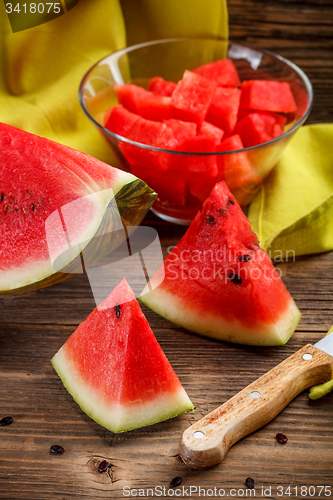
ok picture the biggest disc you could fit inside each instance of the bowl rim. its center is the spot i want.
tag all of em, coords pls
(124, 50)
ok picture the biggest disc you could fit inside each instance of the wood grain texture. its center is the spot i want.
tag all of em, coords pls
(33, 327)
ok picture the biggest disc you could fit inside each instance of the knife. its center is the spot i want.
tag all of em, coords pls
(206, 442)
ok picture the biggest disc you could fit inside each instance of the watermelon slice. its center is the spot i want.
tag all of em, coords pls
(53, 202)
(220, 283)
(116, 371)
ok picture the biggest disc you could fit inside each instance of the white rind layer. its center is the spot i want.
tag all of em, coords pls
(174, 309)
(118, 417)
(35, 271)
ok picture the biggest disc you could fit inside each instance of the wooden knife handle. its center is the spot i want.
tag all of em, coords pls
(206, 442)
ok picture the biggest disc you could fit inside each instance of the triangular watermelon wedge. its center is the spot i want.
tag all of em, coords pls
(55, 202)
(115, 369)
(220, 283)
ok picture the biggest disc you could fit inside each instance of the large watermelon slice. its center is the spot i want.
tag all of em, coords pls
(116, 371)
(220, 283)
(53, 201)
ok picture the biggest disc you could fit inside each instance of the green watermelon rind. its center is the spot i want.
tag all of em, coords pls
(161, 408)
(177, 311)
(133, 198)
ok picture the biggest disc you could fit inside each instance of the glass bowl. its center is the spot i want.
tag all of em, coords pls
(180, 178)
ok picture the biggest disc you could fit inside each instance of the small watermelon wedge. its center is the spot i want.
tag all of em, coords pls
(54, 202)
(115, 369)
(220, 283)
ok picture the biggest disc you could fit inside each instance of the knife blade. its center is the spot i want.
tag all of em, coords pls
(207, 441)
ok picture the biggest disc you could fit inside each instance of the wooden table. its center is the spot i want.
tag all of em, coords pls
(36, 324)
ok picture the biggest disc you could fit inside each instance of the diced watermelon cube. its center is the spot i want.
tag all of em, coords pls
(223, 72)
(192, 97)
(231, 143)
(127, 95)
(256, 128)
(143, 102)
(159, 86)
(151, 133)
(211, 130)
(223, 110)
(199, 164)
(201, 189)
(181, 130)
(236, 167)
(171, 189)
(119, 120)
(301, 97)
(267, 95)
(153, 107)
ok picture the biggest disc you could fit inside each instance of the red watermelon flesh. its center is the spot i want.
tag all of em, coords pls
(201, 189)
(39, 177)
(220, 283)
(238, 172)
(222, 72)
(236, 167)
(152, 133)
(192, 97)
(170, 186)
(119, 120)
(115, 369)
(159, 86)
(257, 128)
(223, 110)
(127, 95)
(212, 131)
(153, 107)
(199, 164)
(266, 95)
(181, 130)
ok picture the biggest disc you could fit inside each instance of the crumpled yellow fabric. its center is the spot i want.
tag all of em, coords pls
(292, 214)
(318, 391)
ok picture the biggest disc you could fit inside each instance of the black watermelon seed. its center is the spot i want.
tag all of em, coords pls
(176, 481)
(281, 438)
(32, 206)
(6, 421)
(210, 220)
(244, 258)
(117, 310)
(250, 482)
(222, 211)
(16, 209)
(231, 201)
(103, 466)
(237, 280)
(1, 197)
(56, 449)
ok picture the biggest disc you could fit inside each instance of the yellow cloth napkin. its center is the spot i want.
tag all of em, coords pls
(318, 391)
(293, 212)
